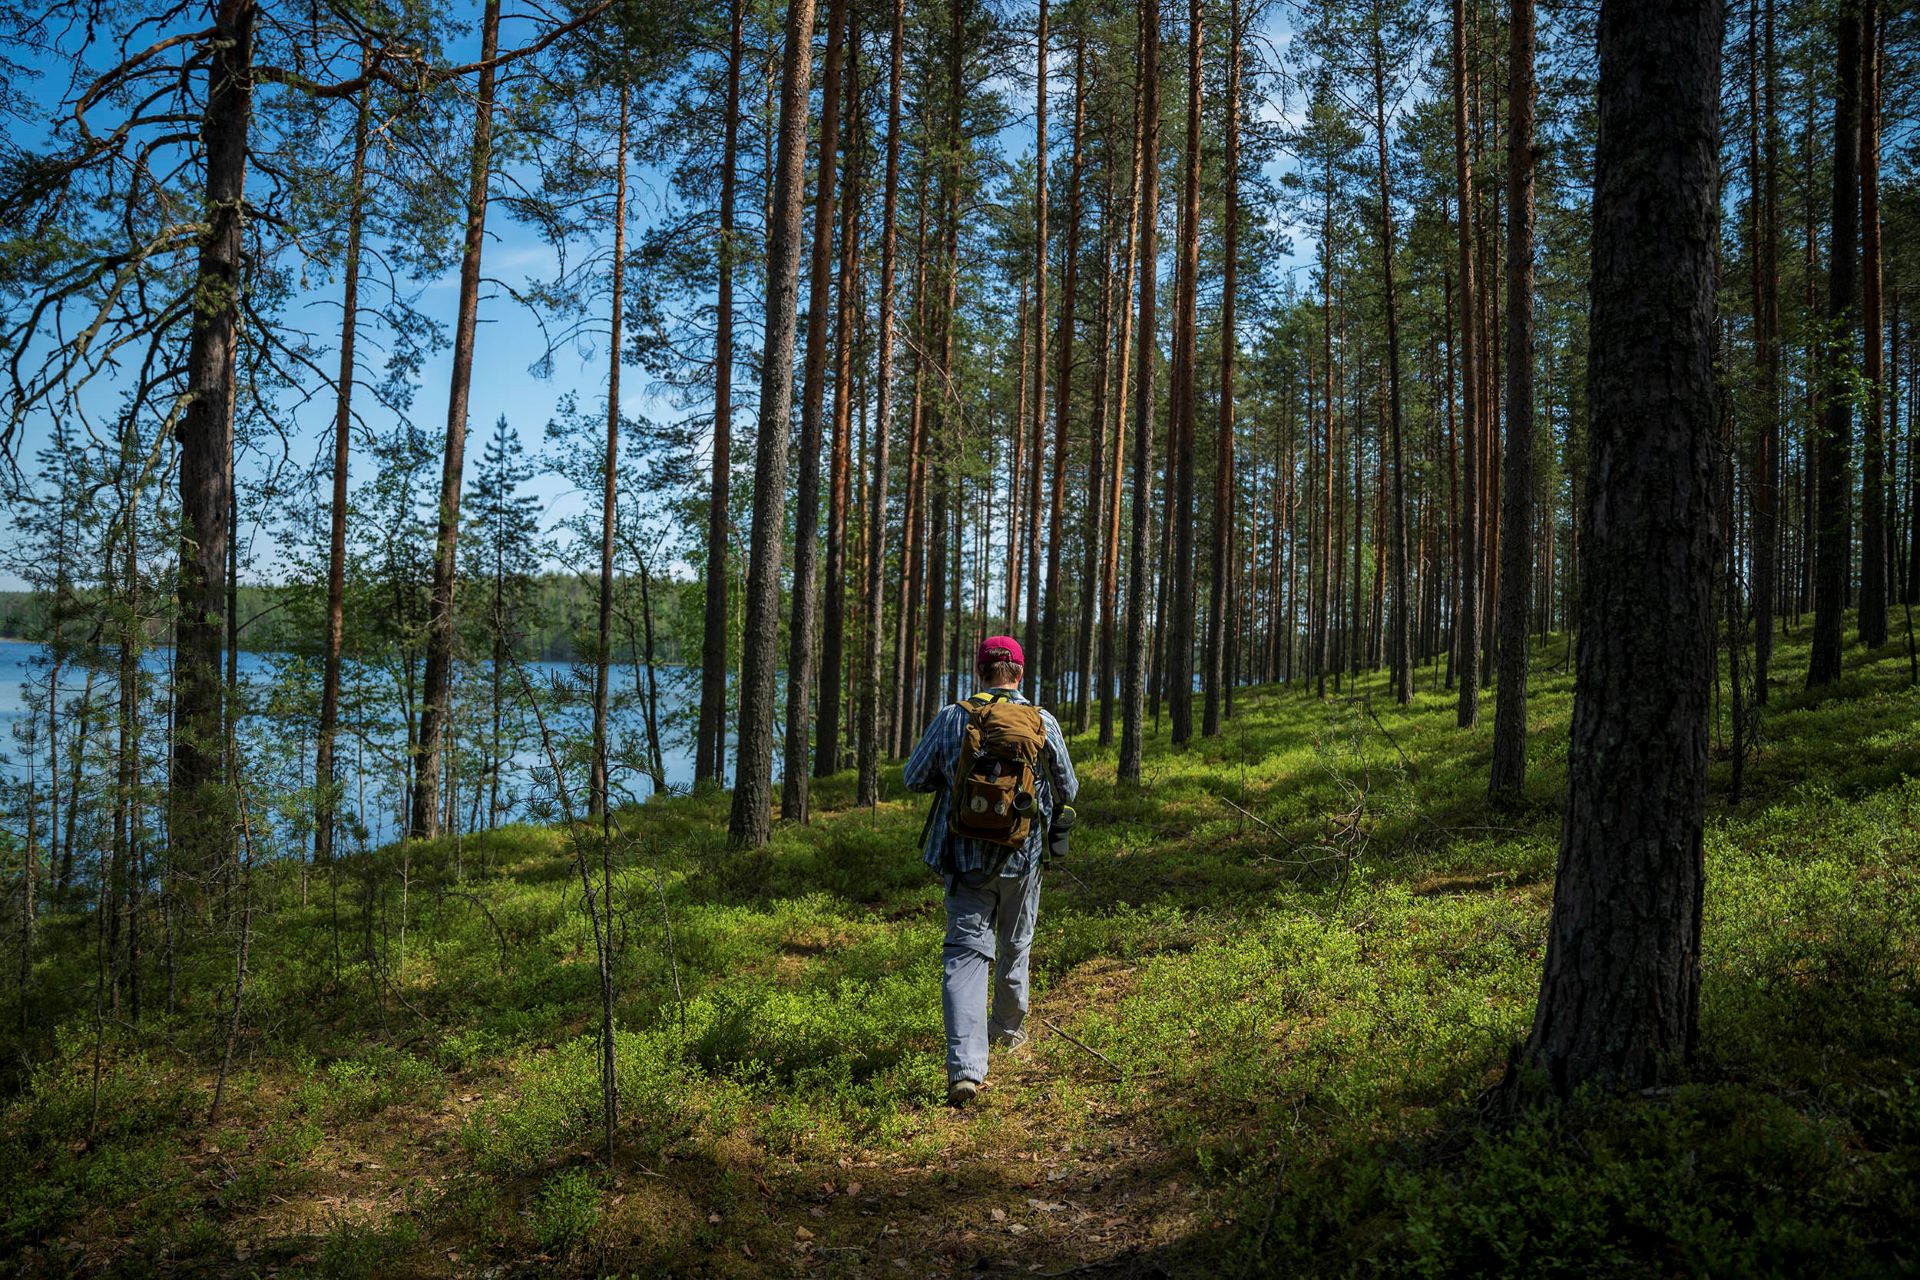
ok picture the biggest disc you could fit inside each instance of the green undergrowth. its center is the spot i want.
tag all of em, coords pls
(1289, 966)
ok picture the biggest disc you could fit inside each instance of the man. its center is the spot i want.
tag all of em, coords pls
(993, 883)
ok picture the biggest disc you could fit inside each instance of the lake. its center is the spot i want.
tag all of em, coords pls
(371, 762)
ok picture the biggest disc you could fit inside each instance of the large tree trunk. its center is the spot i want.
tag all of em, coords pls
(869, 759)
(751, 820)
(1185, 398)
(1133, 697)
(1467, 625)
(826, 750)
(1835, 440)
(1052, 650)
(597, 785)
(1516, 525)
(200, 822)
(1216, 673)
(1873, 485)
(710, 748)
(802, 639)
(1619, 998)
(424, 821)
(324, 781)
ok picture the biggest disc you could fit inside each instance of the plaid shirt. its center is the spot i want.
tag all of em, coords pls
(930, 769)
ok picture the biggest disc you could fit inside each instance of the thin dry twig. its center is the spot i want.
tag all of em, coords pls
(1078, 1043)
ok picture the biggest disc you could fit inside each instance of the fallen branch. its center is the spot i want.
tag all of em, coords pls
(1078, 1043)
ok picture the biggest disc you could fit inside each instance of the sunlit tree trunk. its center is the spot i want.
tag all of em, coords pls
(751, 820)
(1185, 396)
(802, 637)
(1133, 705)
(826, 754)
(1217, 673)
(1052, 649)
(869, 759)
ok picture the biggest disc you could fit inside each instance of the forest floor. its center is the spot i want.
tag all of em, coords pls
(1270, 988)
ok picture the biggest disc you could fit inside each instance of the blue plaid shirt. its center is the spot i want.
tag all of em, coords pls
(930, 769)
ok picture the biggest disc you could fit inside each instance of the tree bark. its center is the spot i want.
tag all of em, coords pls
(1766, 468)
(1516, 525)
(424, 822)
(802, 632)
(597, 785)
(710, 750)
(826, 752)
(324, 780)
(1834, 443)
(201, 817)
(869, 758)
(1217, 675)
(750, 822)
(1051, 647)
(1619, 998)
(1180, 435)
(1133, 704)
(1110, 570)
(1873, 484)
(1467, 626)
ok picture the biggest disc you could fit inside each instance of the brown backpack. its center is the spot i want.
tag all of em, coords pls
(993, 781)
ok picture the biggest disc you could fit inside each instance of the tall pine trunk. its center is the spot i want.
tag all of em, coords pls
(1216, 674)
(200, 818)
(597, 785)
(750, 821)
(1052, 649)
(869, 757)
(802, 636)
(709, 758)
(1185, 397)
(1133, 696)
(324, 779)
(1873, 483)
(1619, 998)
(1834, 442)
(424, 821)
(1467, 624)
(1765, 480)
(1516, 524)
(826, 751)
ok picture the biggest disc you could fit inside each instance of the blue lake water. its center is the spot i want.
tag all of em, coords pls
(277, 748)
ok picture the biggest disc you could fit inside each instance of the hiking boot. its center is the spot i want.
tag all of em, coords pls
(1010, 1041)
(961, 1092)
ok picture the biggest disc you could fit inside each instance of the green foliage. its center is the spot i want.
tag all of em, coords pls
(565, 1212)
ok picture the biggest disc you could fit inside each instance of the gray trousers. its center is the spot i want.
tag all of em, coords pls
(993, 922)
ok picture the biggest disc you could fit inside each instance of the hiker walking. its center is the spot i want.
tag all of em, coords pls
(999, 770)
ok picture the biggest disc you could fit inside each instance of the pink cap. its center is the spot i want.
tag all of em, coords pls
(999, 649)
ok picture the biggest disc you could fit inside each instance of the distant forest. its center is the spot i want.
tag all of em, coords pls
(562, 615)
